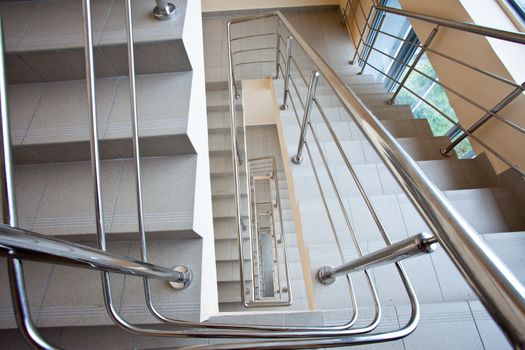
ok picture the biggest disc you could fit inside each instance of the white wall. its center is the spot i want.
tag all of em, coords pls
(230, 5)
(198, 133)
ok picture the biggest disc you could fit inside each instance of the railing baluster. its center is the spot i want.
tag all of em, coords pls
(361, 34)
(14, 264)
(427, 43)
(284, 106)
(376, 34)
(298, 158)
(9, 189)
(508, 99)
(278, 50)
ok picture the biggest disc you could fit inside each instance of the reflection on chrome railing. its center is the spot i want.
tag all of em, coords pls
(497, 288)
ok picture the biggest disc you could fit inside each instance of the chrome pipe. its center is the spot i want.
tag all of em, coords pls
(453, 122)
(423, 49)
(21, 306)
(164, 10)
(376, 35)
(284, 106)
(8, 168)
(345, 12)
(497, 287)
(236, 188)
(455, 60)
(278, 51)
(289, 42)
(36, 247)
(93, 124)
(361, 35)
(516, 37)
(314, 79)
(14, 265)
(417, 245)
(508, 99)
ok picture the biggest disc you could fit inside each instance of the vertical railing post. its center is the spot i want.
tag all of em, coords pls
(164, 10)
(278, 51)
(345, 12)
(298, 158)
(508, 99)
(431, 37)
(136, 155)
(284, 106)
(362, 34)
(9, 189)
(376, 34)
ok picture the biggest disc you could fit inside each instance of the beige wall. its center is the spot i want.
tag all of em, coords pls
(229, 5)
(257, 102)
(500, 58)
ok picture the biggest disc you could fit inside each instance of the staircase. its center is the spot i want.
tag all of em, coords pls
(50, 128)
(189, 203)
(262, 141)
(470, 184)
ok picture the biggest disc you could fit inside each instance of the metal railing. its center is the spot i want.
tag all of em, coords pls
(498, 289)
(267, 216)
(492, 281)
(164, 10)
(373, 29)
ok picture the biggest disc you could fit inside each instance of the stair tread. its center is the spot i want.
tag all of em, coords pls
(57, 199)
(51, 45)
(51, 123)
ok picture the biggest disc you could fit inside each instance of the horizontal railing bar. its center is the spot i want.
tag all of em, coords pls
(462, 26)
(33, 246)
(253, 62)
(455, 92)
(253, 36)
(254, 49)
(455, 60)
(456, 124)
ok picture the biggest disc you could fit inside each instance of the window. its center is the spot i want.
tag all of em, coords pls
(519, 7)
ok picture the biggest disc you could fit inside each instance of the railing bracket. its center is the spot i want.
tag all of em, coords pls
(188, 277)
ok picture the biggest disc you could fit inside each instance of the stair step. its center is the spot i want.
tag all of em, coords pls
(448, 174)
(361, 152)
(57, 199)
(63, 296)
(485, 209)
(228, 271)
(44, 45)
(51, 123)
(230, 292)
(348, 130)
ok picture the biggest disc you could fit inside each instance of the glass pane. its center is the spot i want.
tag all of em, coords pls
(436, 103)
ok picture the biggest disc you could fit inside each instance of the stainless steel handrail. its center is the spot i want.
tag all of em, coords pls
(498, 289)
(36, 247)
(489, 277)
(224, 330)
(489, 113)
